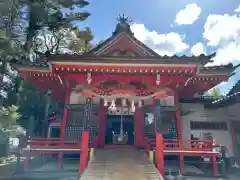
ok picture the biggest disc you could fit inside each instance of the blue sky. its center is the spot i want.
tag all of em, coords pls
(175, 26)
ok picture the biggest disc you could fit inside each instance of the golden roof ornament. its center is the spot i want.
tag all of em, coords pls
(123, 24)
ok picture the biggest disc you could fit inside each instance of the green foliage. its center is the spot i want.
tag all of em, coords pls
(81, 43)
(8, 116)
(50, 14)
(215, 92)
(28, 26)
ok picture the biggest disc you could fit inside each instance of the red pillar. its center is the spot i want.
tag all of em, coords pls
(159, 145)
(159, 153)
(63, 126)
(181, 163)
(84, 151)
(214, 165)
(139, 128)
(26, 160)
(101, 125)
(85, 137)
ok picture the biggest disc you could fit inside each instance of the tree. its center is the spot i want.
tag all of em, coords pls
(50, 14)
(81, 43)
(9, 38)
(8, 117)
(66, 40)
(214, 92)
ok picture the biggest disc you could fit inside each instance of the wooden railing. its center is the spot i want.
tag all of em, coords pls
(185, 145)
(189, 145)
(51, 143)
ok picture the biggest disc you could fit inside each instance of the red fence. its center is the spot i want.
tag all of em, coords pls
(189, 145)
(51, 143)
(183, 145)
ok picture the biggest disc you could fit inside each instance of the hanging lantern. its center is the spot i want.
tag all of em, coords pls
(89, 78)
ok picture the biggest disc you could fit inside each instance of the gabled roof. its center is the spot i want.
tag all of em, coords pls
(122, 35)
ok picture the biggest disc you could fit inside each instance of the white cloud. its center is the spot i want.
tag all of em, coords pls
(198, 49)
(238, 9)
(223, 33)
(188, 15)
(164, 44)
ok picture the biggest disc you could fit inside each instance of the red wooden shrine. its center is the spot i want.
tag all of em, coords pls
(122, 67)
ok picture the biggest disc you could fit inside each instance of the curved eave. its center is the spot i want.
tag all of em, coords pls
(197, 60)
(20, 67)
(225, 101)
(177, 69)
(217, 70)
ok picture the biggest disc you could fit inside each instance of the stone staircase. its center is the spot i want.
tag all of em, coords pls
(113, 164)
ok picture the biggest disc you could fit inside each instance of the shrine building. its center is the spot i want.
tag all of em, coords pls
(122, 94)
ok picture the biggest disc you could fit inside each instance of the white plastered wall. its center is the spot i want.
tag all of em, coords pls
(201, 114)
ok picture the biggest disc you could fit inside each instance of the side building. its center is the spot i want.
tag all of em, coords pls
(213, 118)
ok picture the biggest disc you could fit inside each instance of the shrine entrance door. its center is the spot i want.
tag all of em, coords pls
(113, 130)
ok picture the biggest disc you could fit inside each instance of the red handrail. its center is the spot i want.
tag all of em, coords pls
(50, 143)
(190, 145)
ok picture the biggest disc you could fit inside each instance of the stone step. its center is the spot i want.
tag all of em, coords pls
(109, 164)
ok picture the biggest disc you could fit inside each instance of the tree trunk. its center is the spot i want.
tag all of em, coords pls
(45, 121)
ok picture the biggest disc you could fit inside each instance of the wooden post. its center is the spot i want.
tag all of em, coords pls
(47, 104)
(30, 132)
(214, 166)
(159, 138)
(63, 126)
(159, 153)
(181, 163)
(101, 125)
(178, 120)
(85, 136)
(84, 151)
